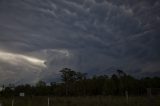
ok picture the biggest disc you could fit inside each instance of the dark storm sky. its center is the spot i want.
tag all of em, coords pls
(93, 36)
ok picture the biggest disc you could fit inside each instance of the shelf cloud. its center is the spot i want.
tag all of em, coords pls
(93, 36)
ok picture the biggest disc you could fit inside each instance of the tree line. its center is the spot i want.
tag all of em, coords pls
(77, 84)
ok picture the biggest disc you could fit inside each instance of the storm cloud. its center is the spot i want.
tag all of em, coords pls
(93, 36)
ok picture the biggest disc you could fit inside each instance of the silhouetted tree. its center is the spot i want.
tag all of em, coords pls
(68, 77)
(77, 84)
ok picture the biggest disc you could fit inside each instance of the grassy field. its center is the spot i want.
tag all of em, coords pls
(81, 101)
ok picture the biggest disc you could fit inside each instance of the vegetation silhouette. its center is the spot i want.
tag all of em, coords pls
(77, 84)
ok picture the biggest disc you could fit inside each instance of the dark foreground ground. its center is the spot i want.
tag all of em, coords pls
(81, 101)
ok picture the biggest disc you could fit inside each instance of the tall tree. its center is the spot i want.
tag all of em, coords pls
(68, 77)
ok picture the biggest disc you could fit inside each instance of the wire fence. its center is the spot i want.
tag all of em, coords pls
(82, 101)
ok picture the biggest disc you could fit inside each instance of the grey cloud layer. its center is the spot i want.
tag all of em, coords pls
(97, 34)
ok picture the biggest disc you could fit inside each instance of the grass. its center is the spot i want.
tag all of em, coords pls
(82, 101)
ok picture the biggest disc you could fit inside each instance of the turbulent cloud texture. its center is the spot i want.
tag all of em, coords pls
(93, 36)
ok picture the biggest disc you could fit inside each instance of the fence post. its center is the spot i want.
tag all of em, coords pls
(149, 92)
(150, 97)
(48, 101)
(126, 94)
(12, 102)
(0, 103)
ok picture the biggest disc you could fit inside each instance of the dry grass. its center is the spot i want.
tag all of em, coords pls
(82, 101)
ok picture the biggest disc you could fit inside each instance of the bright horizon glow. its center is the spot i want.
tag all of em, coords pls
(13, 57)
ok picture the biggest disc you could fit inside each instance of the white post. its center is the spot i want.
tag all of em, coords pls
(149, 92)
(48, 101)
(126, 93)
(12, 102)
